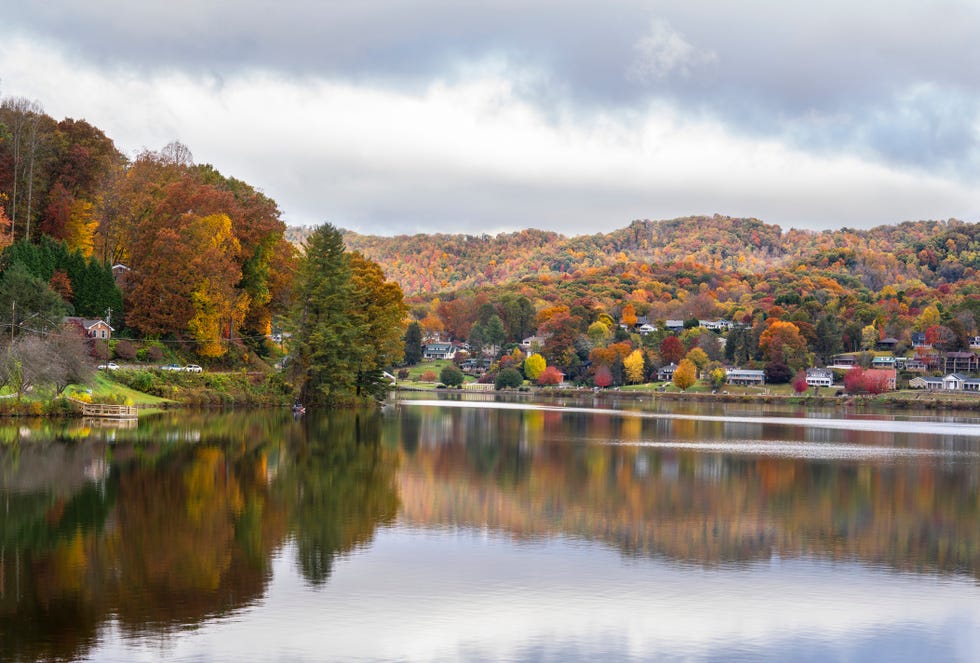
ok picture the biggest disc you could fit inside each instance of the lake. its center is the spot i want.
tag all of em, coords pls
(445, 529)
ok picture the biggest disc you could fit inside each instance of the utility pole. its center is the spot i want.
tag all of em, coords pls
(108, 316)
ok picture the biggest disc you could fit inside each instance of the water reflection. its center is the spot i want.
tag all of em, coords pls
(705, 492)
(108, 534)
(170, 533)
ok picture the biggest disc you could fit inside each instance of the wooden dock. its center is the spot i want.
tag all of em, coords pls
(105, 411)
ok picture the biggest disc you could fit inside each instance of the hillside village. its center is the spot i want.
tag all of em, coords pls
(887, 366)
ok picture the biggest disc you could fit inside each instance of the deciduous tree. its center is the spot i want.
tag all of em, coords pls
(686, 375)
(672, 350)
(534, 366)
(633, 365)
(550, 376)
(782, 343)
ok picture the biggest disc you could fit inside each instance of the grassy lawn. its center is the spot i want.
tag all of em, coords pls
(102, 387)
(435, 366)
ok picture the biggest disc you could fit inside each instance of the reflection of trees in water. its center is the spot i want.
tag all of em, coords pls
(703, 507)
(174, 534)
(344, 487)
(178, 533)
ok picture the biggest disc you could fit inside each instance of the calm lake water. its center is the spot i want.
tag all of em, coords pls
(485, 530)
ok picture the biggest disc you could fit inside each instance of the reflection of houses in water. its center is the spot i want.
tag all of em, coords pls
(193, 435)
(641, 465)
(710, 467)
(96, 469)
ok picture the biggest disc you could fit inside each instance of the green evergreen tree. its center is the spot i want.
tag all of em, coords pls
(325, 353)
(828, 338)
(27, 300)
(494, 330)
(413, 343)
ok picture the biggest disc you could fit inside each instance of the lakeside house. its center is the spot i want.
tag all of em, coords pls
(961, 362)
(927, 383)
(886, 376)
(887, 344)
(819, 377)
(884, 361)
(667, 372)
(844, 362)
(951, 382)
(93, 327)
(439, 351)
(745, 376)
(960, 382)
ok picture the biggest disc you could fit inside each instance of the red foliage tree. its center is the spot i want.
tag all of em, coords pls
(799, 383)
(854, 381)
(603, 377)
(672, 350)
(860, 381)
(551, 376)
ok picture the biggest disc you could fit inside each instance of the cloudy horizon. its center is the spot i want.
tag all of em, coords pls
(439, 116)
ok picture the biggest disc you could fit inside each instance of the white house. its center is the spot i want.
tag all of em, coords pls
(439, 351)
(820, 377)
(532, 343)
(954, 382)
(645, 328)
(745, 376)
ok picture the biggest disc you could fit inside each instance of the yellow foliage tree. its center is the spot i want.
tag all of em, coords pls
(215, 299)
(633, 365)
(686, 375)
(699, 357)
(81, 227)
(928, 318)
(534, 366)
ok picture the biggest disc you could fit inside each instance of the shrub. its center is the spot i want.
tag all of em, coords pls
(451, 376)
(799, 383)
(603, 377)
(778, 373)
(428, 376)
(124, 349)
(402, 374)
(508, 378)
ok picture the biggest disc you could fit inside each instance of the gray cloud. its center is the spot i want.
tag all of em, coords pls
(890, 85)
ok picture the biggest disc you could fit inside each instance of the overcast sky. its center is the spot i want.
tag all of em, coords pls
(390, 116)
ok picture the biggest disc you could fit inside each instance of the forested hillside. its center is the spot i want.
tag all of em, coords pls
(199, 257)
(931, 251)
(830, 291)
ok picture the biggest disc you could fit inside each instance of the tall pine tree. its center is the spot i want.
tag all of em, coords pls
(348, 323)
(324, 343)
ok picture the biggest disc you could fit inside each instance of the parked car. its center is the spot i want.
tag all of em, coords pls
(193, 368)
(171, 367)
(111, 366)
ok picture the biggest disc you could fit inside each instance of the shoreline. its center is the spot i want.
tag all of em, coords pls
(859, 401)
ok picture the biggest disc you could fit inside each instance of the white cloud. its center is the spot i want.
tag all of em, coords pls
(663, 52)
(470, 154)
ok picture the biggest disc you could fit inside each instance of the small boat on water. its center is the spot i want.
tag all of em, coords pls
(298, 409)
